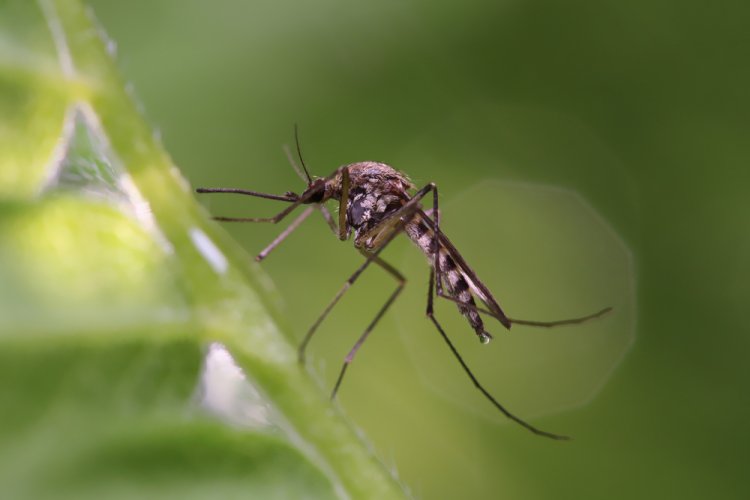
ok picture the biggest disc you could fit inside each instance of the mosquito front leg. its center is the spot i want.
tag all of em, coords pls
(344, 204)
(328, 218)
(295, 202)
(485, 393)
(399, 287)
(313, 190)
(294, 225)
(286, 232)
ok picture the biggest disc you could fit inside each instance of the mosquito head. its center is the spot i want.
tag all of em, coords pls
(316, 192)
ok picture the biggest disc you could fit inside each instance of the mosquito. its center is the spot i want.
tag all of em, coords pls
(376, 204)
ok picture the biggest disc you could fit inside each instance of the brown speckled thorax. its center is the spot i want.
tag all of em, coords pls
(376, 191)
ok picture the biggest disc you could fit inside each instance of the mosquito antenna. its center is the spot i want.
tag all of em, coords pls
(299, 154)
(293, 163)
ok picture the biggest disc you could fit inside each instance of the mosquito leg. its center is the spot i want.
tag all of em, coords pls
(436, 242)
(286, 232)
(295, 202)
(559, 322)
(347, 284)
(343, 204)
(429, 212)
(503, 410)
(328, 218)
(526, 322)
(294, 225)
(399, 287)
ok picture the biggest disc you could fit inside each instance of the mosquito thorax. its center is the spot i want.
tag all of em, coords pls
(376, 190)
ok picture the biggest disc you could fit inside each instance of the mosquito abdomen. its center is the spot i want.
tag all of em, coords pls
(454, 280)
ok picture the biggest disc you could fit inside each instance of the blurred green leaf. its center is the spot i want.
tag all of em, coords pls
(113, 421)
(33, 99)
(138, 357)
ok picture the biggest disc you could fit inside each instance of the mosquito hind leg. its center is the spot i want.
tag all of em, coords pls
(470, 374)
(391, 299)
(528, 322)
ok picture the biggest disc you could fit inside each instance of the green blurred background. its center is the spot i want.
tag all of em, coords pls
(640, 107)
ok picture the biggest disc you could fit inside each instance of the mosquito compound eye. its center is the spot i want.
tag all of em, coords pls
(317, 196)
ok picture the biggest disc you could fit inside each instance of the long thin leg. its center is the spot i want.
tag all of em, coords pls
(328, 218)
(527, 322)
(401, 216)
(344, 204)
(347, 284)
(295, 201)
(503, 410)
(350, 357)
(286, 232)
(294, 225)
(436, 242)
(291, 199)
(273, 220)
(291, 228)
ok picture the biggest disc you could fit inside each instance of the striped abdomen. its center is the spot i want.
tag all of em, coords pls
(455, 282)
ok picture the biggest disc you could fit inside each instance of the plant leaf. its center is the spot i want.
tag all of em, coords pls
(139, 353)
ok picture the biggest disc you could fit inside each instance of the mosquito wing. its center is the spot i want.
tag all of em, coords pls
(475, 284)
